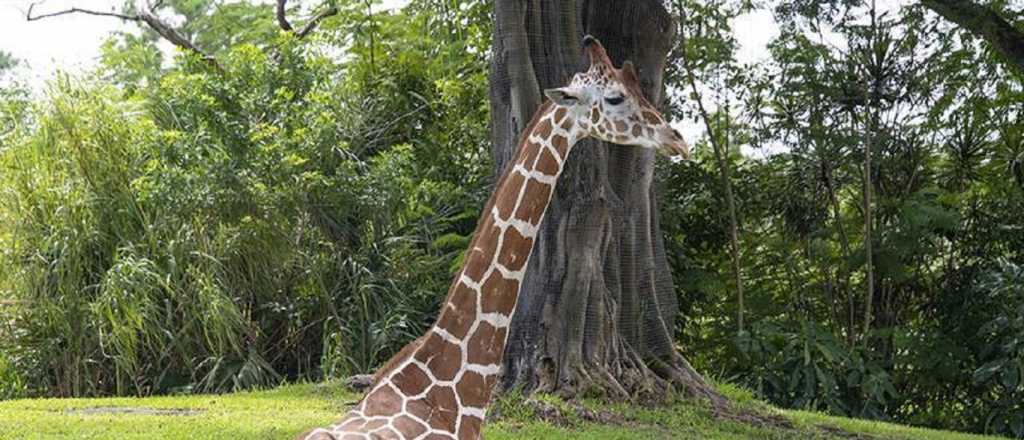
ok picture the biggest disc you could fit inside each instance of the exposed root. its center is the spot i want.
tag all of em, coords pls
(572, 413)
(679, 372)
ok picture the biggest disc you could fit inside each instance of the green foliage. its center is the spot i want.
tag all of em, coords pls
(11, 384)
(939, 350)
(131, 61)
(203, 230)
(809, 368)
(1001, 376)
(167, 227)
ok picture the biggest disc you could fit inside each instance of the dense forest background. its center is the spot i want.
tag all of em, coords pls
(279, 206)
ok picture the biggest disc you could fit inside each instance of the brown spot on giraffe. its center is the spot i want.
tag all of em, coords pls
(514, 249)
(385, 434)
(547, 163)
(560, 115)
(462, 303)
(507, 203)
(314, 434)
(382, 402)
(469, 428)
(530, 210)
(409, 426)
(445, 410)
(487, 242)
(620, 126)
(355, 422)
(544, 129)
(471, 385)
(483, 346)
(411, 380)
(442, 357)
(561, 145)
(498, 290)
(419, 408)
(376, 424)
(528, 157)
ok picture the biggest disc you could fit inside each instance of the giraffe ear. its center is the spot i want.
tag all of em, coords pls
(562, 97)
(629, 72)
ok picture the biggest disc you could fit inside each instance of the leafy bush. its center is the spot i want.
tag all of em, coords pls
(233, 229)
(1001, 376)
(807, 367)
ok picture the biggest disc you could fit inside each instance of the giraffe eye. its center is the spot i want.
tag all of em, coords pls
(615, 100)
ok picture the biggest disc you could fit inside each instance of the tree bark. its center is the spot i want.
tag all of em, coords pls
(985, 23)
(597, 306)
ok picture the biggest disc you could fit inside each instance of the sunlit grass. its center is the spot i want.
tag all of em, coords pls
(286, 411)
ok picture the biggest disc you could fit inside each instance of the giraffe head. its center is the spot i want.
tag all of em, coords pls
(609, 105)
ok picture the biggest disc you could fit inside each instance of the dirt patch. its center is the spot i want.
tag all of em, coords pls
(135, 411)
(565, 416)
(755, 418)
(841, 433)
(574, 411)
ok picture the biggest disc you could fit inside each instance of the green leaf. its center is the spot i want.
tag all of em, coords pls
(983, 374)
(1011, 376)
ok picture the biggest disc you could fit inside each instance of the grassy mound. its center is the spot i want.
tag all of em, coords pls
(283, 412)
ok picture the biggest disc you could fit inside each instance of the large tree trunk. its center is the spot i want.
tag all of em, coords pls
(597, 306)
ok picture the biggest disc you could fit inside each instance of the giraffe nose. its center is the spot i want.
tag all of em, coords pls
(674, 146)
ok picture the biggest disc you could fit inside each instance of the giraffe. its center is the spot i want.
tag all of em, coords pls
(439, 386)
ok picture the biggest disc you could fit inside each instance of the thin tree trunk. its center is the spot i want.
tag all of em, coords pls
(597, 305)
(871, 94)
(844, 243)
(725, 176)
(869, 295)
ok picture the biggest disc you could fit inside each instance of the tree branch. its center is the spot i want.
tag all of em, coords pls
(985, 23)
(313, 22)
(30, 17)
(282, 19)
(144, 15)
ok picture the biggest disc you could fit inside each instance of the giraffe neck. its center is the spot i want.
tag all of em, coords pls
(482, 300)
(445, 384)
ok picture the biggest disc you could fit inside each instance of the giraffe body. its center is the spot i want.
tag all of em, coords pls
(439, 386)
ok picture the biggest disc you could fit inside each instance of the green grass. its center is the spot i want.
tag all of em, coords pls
(283, 412)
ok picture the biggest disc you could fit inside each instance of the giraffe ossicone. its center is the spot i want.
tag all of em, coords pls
(439, 386)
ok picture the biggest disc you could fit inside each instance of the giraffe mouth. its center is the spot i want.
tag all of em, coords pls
(674, 147)
(676, 152)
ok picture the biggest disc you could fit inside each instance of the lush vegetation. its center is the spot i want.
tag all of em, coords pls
(287, 216)
(288, 410)
(171, 226)
(935, 337)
